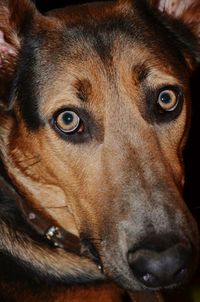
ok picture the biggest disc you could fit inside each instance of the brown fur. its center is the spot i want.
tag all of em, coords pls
(124, 182)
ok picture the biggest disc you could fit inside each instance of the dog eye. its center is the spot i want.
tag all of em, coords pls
(68, 122)
(168, 100)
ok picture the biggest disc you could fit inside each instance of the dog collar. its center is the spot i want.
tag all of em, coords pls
(44, 225)
(51, 231)
(41, 222)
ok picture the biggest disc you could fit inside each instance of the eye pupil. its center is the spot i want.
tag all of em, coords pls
(165, 98)
(67, 118)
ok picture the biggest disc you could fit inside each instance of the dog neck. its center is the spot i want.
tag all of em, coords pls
(41, 223)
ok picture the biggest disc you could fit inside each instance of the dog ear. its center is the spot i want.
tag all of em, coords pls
(188, 13)
(14, 17)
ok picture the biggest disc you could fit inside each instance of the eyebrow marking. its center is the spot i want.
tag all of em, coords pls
(141, 72)
(83, 89)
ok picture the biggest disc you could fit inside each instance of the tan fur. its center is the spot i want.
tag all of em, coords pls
(123, 182)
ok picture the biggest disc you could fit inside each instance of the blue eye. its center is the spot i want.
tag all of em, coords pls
(68, 121)
(168, 100)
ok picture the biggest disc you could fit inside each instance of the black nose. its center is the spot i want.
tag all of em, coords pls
(162, 268)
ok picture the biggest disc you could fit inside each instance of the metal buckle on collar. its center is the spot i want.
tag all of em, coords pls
(51, 235)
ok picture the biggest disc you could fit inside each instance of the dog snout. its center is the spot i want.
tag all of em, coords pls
(154, 267)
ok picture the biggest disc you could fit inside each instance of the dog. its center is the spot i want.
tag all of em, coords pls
(95, 114)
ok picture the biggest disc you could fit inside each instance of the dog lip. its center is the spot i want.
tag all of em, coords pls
(89, 250)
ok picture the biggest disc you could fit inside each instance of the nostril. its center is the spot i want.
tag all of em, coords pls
(148, 279)
(140, 265)
(180, 274)
(156, 269)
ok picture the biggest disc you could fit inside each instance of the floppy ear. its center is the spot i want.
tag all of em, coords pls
(186, 12)
(14, 17)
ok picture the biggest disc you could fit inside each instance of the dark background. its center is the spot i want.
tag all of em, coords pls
(45, 5)
(192, 152)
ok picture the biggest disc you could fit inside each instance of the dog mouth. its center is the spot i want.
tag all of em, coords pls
(89, 250)
(114, 270)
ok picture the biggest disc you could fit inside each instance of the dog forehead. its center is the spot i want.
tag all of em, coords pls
(84, 32)
(98, 25)
(105, 48)
(109, 29)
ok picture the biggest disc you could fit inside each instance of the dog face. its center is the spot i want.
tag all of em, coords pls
(98, 117)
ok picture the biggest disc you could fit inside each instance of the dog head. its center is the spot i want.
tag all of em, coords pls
(95, 112)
